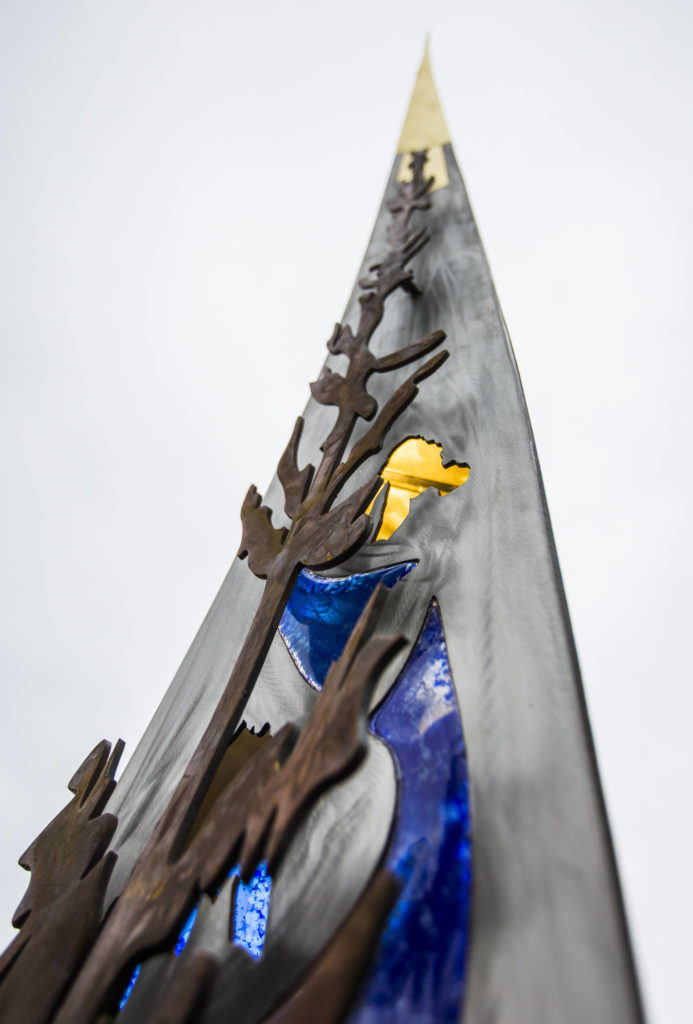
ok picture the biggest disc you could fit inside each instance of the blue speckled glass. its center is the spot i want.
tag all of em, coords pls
(249, 921)
(418, 973)
(129, 987)
(322, 611)
(182, 940)
(181, 943)
(251, 910)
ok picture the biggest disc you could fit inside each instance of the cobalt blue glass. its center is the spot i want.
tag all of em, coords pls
(323, 610)
(251, 910)
(417, 976)
(249, 921)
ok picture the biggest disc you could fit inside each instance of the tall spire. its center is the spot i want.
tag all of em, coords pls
(424, 126)
(266, 808)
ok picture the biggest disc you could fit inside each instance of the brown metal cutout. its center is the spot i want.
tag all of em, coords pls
(255, 815)
(62, 908)
(242, 749)
(188, 992)
(252, 820)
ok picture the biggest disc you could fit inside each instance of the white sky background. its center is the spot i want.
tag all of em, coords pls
(186, 190)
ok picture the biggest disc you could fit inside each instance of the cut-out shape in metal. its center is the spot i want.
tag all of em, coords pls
(322, 611)
(414, 466)
(61, 911)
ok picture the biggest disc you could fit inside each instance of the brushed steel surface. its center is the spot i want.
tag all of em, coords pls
(548, 938)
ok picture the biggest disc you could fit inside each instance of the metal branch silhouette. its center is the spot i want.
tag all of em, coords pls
(60, 913)
(256, 814)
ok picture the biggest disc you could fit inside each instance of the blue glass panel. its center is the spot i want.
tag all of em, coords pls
(181, 943)
(251, 910)
(129, 987)
(249, 921)
(182, 939)
(322, 611)
(418, 972)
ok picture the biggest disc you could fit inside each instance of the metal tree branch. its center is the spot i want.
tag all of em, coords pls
(61, 911)
(259, 810)
(487, 715)
(253, 819)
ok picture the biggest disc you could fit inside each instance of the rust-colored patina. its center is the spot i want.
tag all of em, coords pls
(61, 911)
(257, 812)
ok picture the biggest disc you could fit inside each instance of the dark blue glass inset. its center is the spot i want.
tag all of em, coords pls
(249, 921)
(251, 910)
(417, 977)
(186, 931)
(181, 943)
(129, 987)
(322, 611)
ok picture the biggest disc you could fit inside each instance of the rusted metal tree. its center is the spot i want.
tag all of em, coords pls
(256, 814)
(61, 911)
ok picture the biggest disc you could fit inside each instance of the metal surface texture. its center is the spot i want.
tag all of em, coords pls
(258, 810)
(548, 936)
(252, 820)
(326, 995)
(317, 800)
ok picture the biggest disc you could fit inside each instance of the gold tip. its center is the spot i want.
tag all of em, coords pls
(424, 125)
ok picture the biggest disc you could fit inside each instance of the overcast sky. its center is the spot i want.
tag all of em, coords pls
(186, 190)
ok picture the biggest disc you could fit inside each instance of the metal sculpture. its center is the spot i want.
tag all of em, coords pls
(255, 814)
(251, 820)
(61, 912)
(306, 752)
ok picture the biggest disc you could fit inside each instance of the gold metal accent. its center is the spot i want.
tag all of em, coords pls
(414, 466)
(436, 167)
(424, 126)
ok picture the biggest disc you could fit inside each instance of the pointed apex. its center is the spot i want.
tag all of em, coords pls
(424, 125)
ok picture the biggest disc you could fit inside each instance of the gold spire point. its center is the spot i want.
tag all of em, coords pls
(424, 125)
